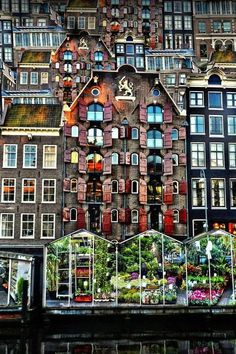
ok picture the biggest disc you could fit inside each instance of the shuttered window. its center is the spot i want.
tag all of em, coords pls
(95, 112)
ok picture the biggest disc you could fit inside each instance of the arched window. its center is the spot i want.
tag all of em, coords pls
(94, 163)
(154, 139)
(154, 114)
(67, 55)
(154, 164)
(115, 158)
(176, 216)
(73, 185)
(134, 216)
(175, 134)
(145, 14)
(218, 45)
(129, 39)
(95, 112)
(98, 56)
(115, 133)
(134, 159)
(73, 214)
(114, 215)
(134, 133)
(94, 191)
(134, 187)
(175, 187)
(154, 191)
(214, 80)
(68, 68)
(74, 157)
(114, 186)
(95, 136)
(175, 159)
(229, 45)
(74, 131)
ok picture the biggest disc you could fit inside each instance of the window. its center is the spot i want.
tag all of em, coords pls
(98, 56)
(9, 155)
(168, 6)
(196, 99)
(231, 100)
(168, 22)
(175, 216)
(178, 22)
(81, 22)
(27, 225)
(218, 192)
(5, 6)
(174, 134)
(216, 26)
(217, 155)
(70, 22)
(28, 190)
(214, 80)
(178, 6)
(68, 68)
(23, 78)
(73, 185)
(154, 114)
(198, 155)
(120, 48)
(94, 163)
(216, 125)
(114, 215)
(74, 157)
(233, 193)
(115, 133)
(134, 159)
(115, 158)
(201, 27)
(48, 226)
(7, 38)
(215, 100)
(44, 78)
(6, 24)
(42, 22)
(134, 133)
(49, 156)
(7, 225)
(154, 191)
(91, 22)
(187, 6)
(134, 187)
(154, 164)
(139, 62)
(95, 137)
(48, 191)
(169, 41)
(175, 187)
(154, 139)
(134, 216)
(175, 159)
(34, 78)
(8, 190)
(187, 22)
(198, 192)
(139, 49)
(8, 54)
(114, 186)
(145, 14)
(231, 125)
(75, 131)
(95, 112)
(227, 27)
(73, 214)
(232, 155)
(197, 124)
(24, 6)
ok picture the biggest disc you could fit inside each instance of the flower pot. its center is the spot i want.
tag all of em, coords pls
(83, 298)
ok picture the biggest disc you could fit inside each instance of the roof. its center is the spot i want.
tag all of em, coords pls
(224, 57)
(22, 115)
(35, 57)
(83, 3)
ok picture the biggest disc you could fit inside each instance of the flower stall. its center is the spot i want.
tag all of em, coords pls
(210, 269)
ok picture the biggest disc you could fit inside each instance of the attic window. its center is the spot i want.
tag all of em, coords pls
(129, 39)
(214, 80)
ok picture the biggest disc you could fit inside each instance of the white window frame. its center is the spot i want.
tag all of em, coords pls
(203, 151)
(75, 182)
(42, 223)
(82, 24)
(232, 206)
(14, 186)
(5, 165)
(25, 153)
(44, 77)
(196, 99)
(13, 225)
(134, 216)
(224, 196)
(22, 191)
(76, 214)
(222, 124)
(71, 22)
(132, 186)
(115, 220)
(217, 166)
(232, 153)
(221, 100)
(91, 22)
(132, 159)
(45, 165)
(21, 226)
(23, 78)
(233, 99)
(193, 124)
(234, 125)
(114, 190)
(54, 188)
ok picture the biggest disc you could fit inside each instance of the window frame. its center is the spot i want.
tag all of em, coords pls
(134, 182)
(42, 223)
(116, 219)
(233, 117)
(54, 188)
(214, 134)
(21, 226)
(29, 194)
(1, 225)
(217, 152)
(221, 100)
(134, 216)
(196, 99)
(5, 153)
(233, 99)
(212, 188)
(25, 153)
(9, 186)
(45, 165)
(198, 152)
(196, 124)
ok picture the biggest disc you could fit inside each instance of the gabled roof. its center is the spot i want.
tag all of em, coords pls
(38, 116)
(38, 57)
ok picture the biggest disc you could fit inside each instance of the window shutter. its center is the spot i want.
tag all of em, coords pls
(127, 216)
(167, 138)
(61, 55)
(106, 187)
(122, 158)
(153, 27)
(122, 132)
(142, 164)
(122, 215)
(168, 192)
(107, 136)
(121, 185)
(67, 130)
(127, 158)
(168, 164)
(142, 191)
(183, 216)
(92, 56)
(128, 132)
(105, 56)
(66, 214)
(107, 163)
(183, 187)
(182, 133)
(142, 225)
(106, 222)
(75, 55)
(143, 113)
(82, 162)
(81, 224)
(168, 117)
(143, 137)
(61, 68)
(182, 159)
(108, 12)
(82, 135)
(140, 27)
(67, 156)
(121, 12)
(127, 186)
(168, 222)
(82, 187)
(82, 111)
(108, 111)
(66, 185)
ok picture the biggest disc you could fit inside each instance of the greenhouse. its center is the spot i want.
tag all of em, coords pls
(83, 270)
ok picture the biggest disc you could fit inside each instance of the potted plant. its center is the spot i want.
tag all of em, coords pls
(80, 296)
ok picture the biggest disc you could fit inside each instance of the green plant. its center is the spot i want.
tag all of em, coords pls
(19, 286)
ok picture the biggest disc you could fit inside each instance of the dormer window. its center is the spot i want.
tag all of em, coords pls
(98, 56)
(214, 80)
(67, 55)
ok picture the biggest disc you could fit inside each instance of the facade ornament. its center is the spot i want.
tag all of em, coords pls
(126, 86)
(83, 43)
